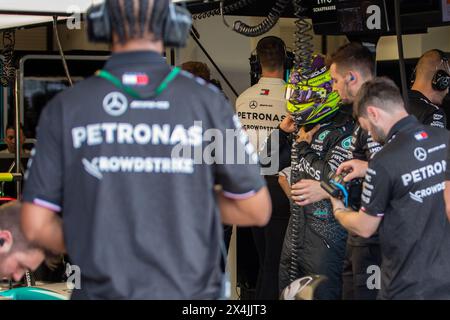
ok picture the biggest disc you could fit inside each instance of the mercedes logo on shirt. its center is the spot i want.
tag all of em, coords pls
(253, 104)
(115, 104)
(420, 154)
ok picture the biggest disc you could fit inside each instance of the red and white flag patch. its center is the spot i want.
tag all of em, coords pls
(135, 79)
(421, 136)
(265, 92)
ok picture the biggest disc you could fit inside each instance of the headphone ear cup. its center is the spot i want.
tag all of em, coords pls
(441, 81)
(98, 24)
(177, 26)
(413, 77)
(289, 60)
(255, 69)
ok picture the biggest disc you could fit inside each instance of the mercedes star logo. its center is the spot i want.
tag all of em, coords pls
(115, 104)
(420, 154)
(253, 104)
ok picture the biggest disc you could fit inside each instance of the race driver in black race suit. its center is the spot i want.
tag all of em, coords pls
(314, 241)
(402, 197)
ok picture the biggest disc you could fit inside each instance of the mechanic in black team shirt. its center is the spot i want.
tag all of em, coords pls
(140, 213)
(431, 84)
(403, 196)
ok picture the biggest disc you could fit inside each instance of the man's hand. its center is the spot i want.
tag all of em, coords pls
(307, 136)
(355, 169)
(306, 192)
(288, 124)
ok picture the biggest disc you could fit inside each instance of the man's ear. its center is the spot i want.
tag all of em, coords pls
(373, 113)
(7, 241)
(352, 76)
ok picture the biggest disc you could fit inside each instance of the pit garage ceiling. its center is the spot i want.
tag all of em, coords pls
(19, 13)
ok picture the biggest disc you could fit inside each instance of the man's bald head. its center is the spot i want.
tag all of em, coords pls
(428, 64)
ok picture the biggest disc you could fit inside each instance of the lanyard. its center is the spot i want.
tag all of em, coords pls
(118, 83)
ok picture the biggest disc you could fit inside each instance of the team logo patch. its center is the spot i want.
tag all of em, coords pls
(135, 79)
(264, 92)
(420, 154)
(422, 135)
(323, 135)
(115, 104)
(347, 143)
(415, 197)
(253, 104)
(320, 213)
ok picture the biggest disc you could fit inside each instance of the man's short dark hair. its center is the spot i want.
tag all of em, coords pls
(10, 221)
(380, 92)
(271, 52)
(133, 19)
(354, 56)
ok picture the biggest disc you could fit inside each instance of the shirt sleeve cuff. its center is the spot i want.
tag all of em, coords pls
(242, 195)
(372, 213)
(44, 204)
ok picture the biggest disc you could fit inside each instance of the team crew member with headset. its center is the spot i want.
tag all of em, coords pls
(402, 196)
(351, 66)
(260, 109)
(262, 106)
(431, 84)
(140, 219)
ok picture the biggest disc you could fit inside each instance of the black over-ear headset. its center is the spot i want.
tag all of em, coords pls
(255, 64)
(441, 79)
(177, 25)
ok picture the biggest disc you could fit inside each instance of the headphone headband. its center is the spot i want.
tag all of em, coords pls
(174, 24)
(442, 54)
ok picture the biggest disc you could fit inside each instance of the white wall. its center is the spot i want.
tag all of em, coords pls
(229, 50)
(415, 45)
